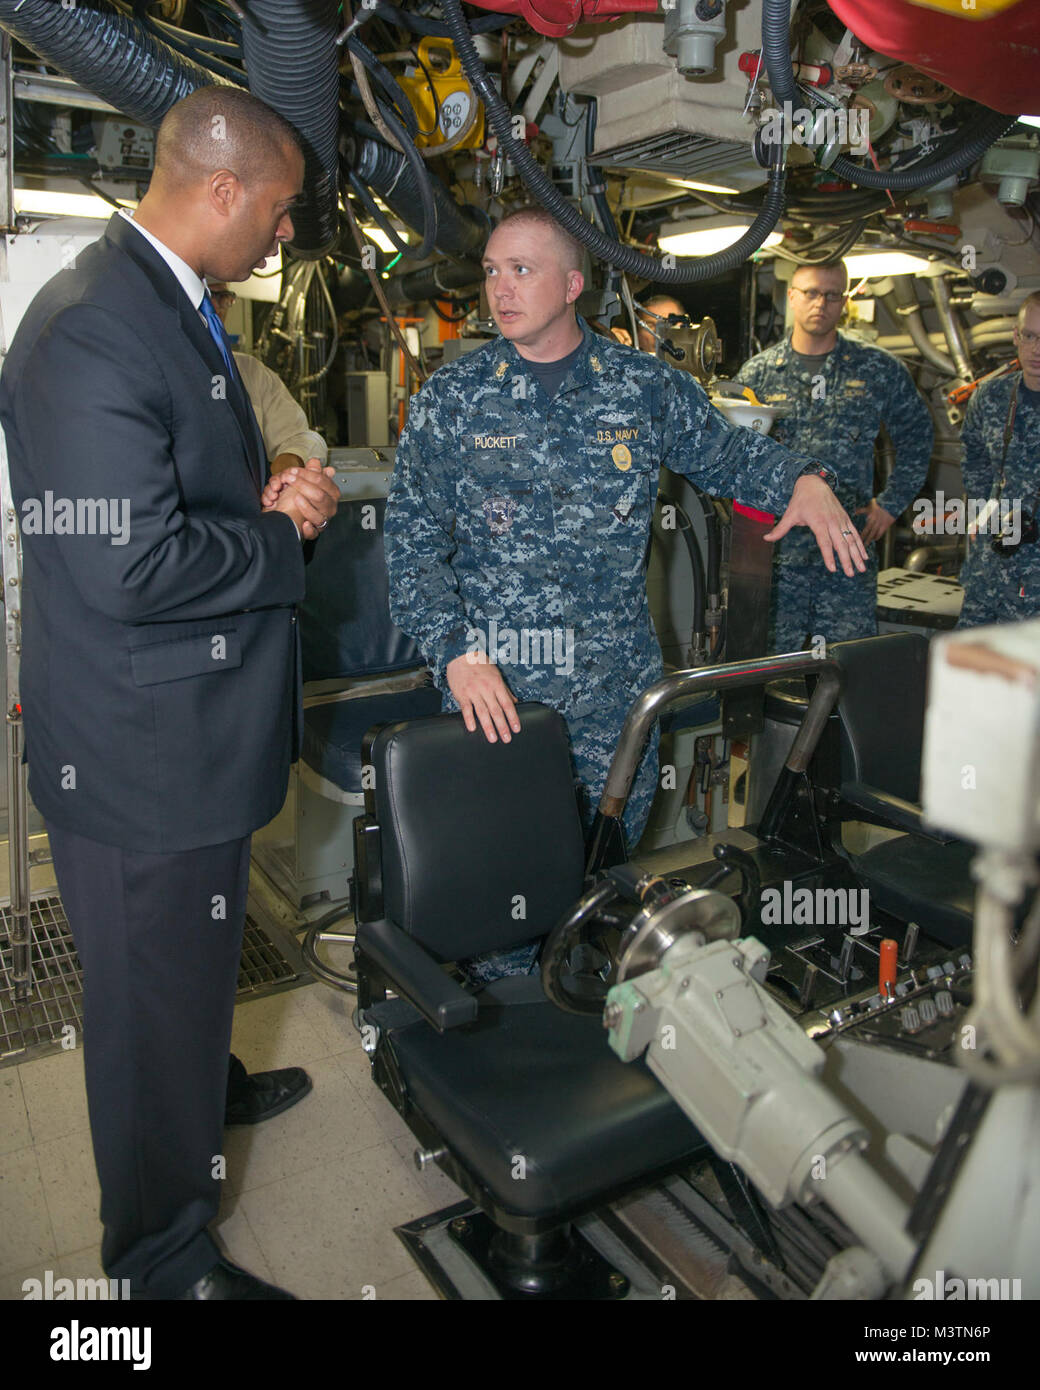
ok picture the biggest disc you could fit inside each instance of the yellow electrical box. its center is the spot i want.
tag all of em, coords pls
(444, 103)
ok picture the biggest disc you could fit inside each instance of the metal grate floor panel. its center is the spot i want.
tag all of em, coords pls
(262, 962)
(57, 996)
(38, 1025)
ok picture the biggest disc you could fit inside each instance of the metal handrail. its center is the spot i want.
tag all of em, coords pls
(704, 680)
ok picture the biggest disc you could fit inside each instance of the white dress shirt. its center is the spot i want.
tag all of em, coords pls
(186, 277)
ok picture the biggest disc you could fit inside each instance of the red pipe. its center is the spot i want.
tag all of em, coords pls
(557, 18)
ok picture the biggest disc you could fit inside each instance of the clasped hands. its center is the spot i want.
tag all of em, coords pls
(308, 495)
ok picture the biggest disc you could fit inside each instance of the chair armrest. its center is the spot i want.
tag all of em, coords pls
(416, 975)
(891, 810)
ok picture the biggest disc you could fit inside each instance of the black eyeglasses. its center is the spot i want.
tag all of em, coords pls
(831, 296)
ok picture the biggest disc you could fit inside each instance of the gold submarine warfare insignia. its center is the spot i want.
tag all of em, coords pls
(622, 456)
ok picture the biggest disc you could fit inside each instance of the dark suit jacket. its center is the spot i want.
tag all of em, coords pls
(160, 680)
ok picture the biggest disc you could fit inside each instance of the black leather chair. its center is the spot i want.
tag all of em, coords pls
(468, 847)
(921, 875)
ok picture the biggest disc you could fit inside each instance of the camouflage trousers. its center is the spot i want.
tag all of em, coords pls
(809, 601)
(998, 588)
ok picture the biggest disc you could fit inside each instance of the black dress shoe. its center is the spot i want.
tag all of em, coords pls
(226, 1280)
(266, 1093)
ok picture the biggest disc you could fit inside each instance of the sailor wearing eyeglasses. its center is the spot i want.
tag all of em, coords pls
(835, 393)
(1001, 439)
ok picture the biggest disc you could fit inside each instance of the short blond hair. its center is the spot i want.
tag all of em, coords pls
(825, 265)
(1031, 301)
(573, 253)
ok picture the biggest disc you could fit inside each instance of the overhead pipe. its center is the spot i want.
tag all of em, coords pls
(462, 230)
(293, 67)
(435, 281)
(108, 53)
(951, 327)
(558, 18)
(903, 304)
(979, 335)
(292, 63)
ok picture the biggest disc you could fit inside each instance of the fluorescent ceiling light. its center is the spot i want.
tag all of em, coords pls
(45, 202)
(1029, 120)
(703, 236)
(702, 187)
(871, 264)
(380, 238)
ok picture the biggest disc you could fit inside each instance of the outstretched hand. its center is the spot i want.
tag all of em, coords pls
(813, 504)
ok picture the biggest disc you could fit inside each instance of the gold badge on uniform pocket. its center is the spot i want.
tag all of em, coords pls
(622, 456)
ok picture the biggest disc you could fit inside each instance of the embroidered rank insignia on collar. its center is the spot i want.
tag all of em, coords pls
(855, 383)
(597, 365)
(501, 370)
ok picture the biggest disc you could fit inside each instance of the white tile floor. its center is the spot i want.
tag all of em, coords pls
(311, 1196)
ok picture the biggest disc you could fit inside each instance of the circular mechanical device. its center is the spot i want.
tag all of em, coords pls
(916, 88)
(622, 927)
(699, 911)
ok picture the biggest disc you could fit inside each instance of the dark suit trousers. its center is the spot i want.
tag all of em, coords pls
(159, 937)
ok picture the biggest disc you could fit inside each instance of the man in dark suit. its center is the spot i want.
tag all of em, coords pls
(160, 676)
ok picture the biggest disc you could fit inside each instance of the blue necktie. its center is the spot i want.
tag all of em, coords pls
(217, 333)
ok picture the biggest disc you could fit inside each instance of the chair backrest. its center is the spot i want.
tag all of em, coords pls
(881, 711)
(481, 842)
(345, 626)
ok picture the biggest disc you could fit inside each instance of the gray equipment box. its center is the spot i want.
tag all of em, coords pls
(368, 408)
(454, 348)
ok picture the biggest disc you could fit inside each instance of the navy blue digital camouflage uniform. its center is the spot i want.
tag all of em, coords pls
(835, 412)
(507, 506)
(1004, 587)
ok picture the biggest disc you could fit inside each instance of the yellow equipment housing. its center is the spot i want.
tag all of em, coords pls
(443, 101)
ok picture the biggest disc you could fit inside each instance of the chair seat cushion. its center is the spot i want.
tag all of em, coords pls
(332, 733)
(921, 881)
(529, 1081)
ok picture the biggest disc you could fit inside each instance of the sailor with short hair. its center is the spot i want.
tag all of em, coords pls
(522, 496)
(1001, 439)
(834, 394)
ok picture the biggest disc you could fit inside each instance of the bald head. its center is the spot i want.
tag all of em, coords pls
(221, 128)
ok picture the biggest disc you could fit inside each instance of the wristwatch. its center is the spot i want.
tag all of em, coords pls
(813, 470)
